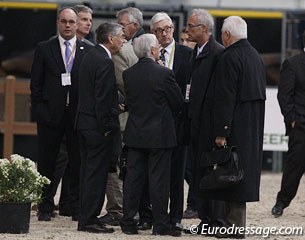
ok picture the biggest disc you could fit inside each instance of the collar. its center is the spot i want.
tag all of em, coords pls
(169, 47)
(199, 49)
(106, 49)
(72, 41)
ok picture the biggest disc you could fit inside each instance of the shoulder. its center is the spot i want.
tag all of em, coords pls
(296, 58)
(183, 48)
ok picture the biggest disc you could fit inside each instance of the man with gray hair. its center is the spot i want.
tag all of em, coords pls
(200, 26)
(238, 113)
(131, 19)
(97, 123)
(151, 137)
(84, 22)
(176, 57)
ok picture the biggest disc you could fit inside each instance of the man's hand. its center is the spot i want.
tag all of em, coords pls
(293, 124)
(121, 107)
(220, 141)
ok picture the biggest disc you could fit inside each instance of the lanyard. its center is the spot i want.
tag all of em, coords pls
(171, 57)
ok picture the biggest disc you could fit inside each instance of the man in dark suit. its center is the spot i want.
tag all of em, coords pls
(176, 57)
(97, 122)
(54, 96)
(149, 134)
(291, 97)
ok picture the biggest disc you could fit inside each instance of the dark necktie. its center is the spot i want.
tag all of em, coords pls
(162, 57)
(68, 57)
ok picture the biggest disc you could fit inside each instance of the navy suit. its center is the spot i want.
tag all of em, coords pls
(54, 117)
(97, 122)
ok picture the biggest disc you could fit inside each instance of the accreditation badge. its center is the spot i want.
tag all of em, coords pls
(65, 79)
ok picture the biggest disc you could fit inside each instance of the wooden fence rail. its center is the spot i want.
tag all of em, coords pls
(10, 87)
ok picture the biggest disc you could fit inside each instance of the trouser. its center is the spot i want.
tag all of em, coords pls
(156, 164)
(294, 166)
(49, 139)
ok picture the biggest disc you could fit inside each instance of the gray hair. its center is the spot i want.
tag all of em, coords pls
(104, 30)
(159, 17)
(142, 44)
(236, 26)
(82, 8)
(204, 17)
(134, 14)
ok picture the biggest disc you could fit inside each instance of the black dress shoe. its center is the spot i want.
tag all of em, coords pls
(178, 226)
(170, 232)
(95, 228)
(110, 220)
(130, 231)
(65, 213)
(142, 226)
(44, 216)
(277, 210)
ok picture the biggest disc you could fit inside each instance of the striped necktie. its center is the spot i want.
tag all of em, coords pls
(68, 57)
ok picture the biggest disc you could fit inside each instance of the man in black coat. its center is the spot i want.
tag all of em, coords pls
(97, 122)
(152, 97)
(291, 97)
(238, 114)
(175, 57)
(199, 28)
(54, 97)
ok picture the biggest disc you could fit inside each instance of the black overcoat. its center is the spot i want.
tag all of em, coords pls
(200, 108)
(239, 109)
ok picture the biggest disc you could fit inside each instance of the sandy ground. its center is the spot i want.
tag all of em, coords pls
(258, 216)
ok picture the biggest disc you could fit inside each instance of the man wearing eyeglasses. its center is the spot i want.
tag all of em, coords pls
(176, 57)
(199, 28)
(54, 97)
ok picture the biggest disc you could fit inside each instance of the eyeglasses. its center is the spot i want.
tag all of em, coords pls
(193, 25)
(161, 30)
(125, 25)
(64, 22)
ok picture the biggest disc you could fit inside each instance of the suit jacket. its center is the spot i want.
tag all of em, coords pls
(123, 60)
(98, 97)
(48, 96)
(152, 96)
(291, 90)
(182, 71)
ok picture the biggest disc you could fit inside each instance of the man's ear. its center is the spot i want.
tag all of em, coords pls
(110, 39)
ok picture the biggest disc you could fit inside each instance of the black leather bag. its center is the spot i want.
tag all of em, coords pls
(222, 168)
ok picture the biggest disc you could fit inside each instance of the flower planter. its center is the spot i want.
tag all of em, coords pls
(15, 217)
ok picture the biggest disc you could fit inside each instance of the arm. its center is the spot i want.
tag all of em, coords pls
(37, 77)
(103, 93)
(226, 81)
(173, 93)
(286, 92)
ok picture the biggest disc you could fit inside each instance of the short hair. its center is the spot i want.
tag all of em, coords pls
(204, 17)
(105, 29)
(134, 14)
(236, 26)
(159, 17)
(304, 38)
(64, 8)
(142, 44)
(82, 8)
